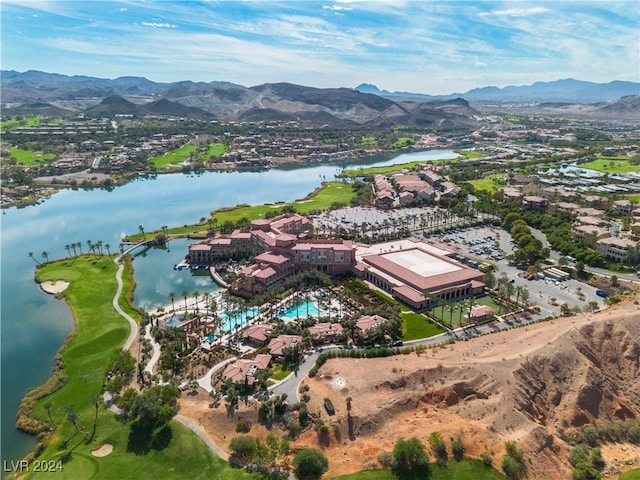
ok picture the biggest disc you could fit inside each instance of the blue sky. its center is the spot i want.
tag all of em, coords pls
(435, 47)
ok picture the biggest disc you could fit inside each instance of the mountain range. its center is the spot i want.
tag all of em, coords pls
(55, 94)
(566, 91)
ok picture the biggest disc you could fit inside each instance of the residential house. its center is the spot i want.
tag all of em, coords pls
(325, 332)
(244, 370)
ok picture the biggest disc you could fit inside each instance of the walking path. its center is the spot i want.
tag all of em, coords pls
(132, 323)
(156, 350)
(202, 433)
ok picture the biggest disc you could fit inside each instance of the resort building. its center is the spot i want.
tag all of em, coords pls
(258, 334)
(278, 344)
(368, 322)
(481, 313)
(416, 273)
(244, 370)
(589, 234)
(618, 249)
(410, 270)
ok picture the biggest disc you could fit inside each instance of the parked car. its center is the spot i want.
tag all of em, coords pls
(602, 293)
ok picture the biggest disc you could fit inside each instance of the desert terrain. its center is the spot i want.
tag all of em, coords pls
(528, 385)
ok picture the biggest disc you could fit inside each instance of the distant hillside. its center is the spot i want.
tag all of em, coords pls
(117, 105)
(32, 91)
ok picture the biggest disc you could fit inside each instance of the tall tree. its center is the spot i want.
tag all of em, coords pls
(410, 459)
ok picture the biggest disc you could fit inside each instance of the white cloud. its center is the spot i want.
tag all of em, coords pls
(517, 12)
(158, 25)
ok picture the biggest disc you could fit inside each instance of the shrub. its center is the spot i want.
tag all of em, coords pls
(243, 426)
(244, 447)
(385, 459)
(486, 458)
(457, 448)
(511, 468)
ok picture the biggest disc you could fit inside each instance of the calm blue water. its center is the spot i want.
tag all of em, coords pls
(302, 310)
(34, 324)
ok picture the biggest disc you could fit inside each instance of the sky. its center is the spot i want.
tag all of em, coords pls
(433, 47)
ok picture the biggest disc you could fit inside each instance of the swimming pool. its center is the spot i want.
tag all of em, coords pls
(302, 310)
(231, 319)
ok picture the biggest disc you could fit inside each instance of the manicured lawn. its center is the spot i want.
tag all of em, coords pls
(471, 154)
(169, 160)
(460, 310)
(403, 142)
(605, 164)
(320, 199)
(185, 456)
(389, 169)
(214, 150)
(368, 143)
(416, 326)
(280, 373)
(28, 157)
(491, 183)
(100, 331)
(630, 475)
(464, 470)
(12, 123)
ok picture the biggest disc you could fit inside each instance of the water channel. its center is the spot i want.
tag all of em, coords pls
(34, 324)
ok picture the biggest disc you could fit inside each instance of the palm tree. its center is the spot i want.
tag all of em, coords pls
(79, 245)
(524, 295)
(99, 246)
(141, 230)
(68, 248)
(108, 247)
(196, 294)
(47, 406)
(73, 246)
(95, 401)
(348, 400)
(33, 258)
(90, 246)
(45, 256)
(72, 416)
(172, 296)
(185, 295)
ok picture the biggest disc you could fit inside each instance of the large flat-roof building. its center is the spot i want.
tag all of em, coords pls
(416, 273)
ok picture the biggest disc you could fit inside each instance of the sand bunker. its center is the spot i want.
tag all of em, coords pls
(54, 287)
(103, 451)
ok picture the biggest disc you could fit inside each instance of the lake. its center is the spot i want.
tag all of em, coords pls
(34, 324)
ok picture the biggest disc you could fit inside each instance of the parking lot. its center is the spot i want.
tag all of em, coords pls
(372, 221)
(493, 245)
